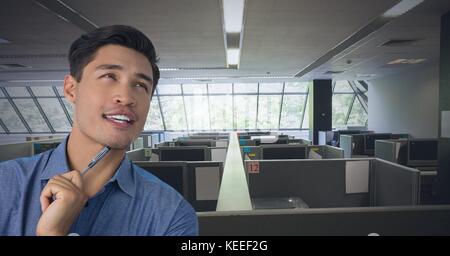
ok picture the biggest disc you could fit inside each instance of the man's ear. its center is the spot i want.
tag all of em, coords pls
(70, 85)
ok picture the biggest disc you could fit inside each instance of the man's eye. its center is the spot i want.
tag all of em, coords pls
(141, 85)
(110, 76)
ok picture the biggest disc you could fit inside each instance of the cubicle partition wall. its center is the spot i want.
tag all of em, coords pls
(369, 142)
(284, 151)
(394, 150)
(324, 152)
(204, 180)
(318, 183)
(394, 184)
(195, 142)
(198, 182)
(16, 150)
(361, 221)
(29, 148)
(334, 183)
(353, 145)
(331, 152)
(185, 153)
(136, 154)
(218, 154)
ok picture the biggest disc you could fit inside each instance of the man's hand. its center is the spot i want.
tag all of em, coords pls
(69, 199)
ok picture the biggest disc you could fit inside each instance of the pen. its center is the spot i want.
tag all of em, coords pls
(96, 159)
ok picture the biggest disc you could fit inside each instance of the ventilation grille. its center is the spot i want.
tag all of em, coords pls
(398, 42)
(331, 72)
(12, 66)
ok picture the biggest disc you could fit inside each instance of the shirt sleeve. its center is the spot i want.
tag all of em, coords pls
(184, 222)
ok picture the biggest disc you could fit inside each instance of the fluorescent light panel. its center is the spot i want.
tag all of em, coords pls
(233, 15)
(401, 8)
(233, 56)
(406, 61)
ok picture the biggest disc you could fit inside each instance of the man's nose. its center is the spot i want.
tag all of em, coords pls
(124, 96)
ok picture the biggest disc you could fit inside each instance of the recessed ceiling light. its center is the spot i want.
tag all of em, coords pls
(233, 15)
(405, 61)
(233, 56)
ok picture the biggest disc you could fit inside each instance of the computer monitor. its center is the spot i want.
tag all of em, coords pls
(369, 141)
(172, 173)
(284, 151)
(422, 152)
(197, 153)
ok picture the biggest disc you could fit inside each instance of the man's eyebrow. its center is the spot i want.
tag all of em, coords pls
(109, 66)
(145, 77)
(119, 67)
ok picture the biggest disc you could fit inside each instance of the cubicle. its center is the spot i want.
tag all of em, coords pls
(291, 151)
(334, 182)
(25, 149)
(184, 153)
(416, 153)
(198, 182)
(339, 197)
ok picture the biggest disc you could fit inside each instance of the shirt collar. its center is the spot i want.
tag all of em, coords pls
(58, 164)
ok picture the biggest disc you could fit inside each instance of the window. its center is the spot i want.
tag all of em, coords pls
(268, 111)
(342, 87)
(197, 107)
(154, 118)
(270, 87)
(197, 112)
(358, 117)
(221, 112)
(194, 89)
(43, 91)
(296, 87)
(245, 111)
(292, 111)
(341, 104)
(55, 114)
(10, 118)
(17, 91)
(169, 89)
(245, 88)
(174, 113)
(31, 114)
(220, 88)
(69, 107)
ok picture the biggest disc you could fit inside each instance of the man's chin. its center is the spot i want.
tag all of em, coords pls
(117, 143)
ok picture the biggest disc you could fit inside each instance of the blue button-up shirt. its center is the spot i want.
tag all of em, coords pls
(133, 202)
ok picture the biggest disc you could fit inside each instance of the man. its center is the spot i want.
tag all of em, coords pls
(113, 75)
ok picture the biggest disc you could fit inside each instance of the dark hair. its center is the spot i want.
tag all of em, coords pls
(83, 49)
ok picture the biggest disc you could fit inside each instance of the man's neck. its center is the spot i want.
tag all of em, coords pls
(80, 152)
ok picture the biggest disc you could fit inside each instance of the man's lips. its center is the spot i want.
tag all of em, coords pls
(123, 118)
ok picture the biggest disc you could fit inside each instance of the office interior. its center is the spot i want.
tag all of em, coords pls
(271, 117)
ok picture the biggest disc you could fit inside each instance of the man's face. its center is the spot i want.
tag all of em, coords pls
(112, 98)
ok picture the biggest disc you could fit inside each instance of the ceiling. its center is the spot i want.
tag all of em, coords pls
(280, 37)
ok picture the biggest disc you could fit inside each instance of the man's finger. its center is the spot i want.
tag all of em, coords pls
(63, 180)
(49, 192)
(75, 177)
